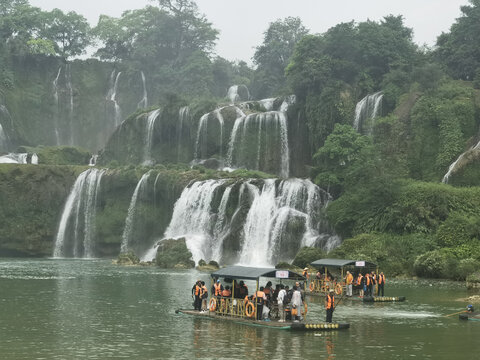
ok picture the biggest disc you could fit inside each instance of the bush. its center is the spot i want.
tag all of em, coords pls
(306, 255)
(213, 263)
(436, 264)
(128, 258)
(174, 254)
(202, 262)
(467, 267)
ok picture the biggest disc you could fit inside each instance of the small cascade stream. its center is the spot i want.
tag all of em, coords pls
(453, 166)
(266, 220)
(57, 109)
(4, 143)
(112, 97)
(77, 229)
(183, 118)
(143, 103)
(68, 84)
(202, 134)
(149, 128)
(128, 237)
(367, 110)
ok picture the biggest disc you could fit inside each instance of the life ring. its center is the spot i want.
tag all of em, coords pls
(212, 305)
(311, 286)
(305, 310)
(250, 309)
(338, 289)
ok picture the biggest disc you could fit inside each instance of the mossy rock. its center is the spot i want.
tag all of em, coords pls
(174, 254)
(210, 267)
(128, 258)
(473, 281)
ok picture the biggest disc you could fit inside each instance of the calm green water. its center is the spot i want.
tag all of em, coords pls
(54, 309)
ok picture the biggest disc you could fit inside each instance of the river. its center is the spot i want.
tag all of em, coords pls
(79, 309)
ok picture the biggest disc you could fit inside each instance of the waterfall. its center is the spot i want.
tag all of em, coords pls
(93, 160)
(143, 104)
(267, 103)
(453, 165)
(183, 116)
(77, 230)
(112, 96)
(68, 84)
(367, 109)
(127, 239)
(149, 128)
(14, 158)
(260, 142)
(3, 139)
(55, 98)
(34, 160)
(202, 135)
(272, 222)
(193, 218)
(238, 93)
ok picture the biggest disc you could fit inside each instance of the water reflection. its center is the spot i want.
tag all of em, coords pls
(70, 309)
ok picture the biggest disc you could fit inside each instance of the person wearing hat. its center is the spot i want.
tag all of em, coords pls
(217, 288)
(330, 305)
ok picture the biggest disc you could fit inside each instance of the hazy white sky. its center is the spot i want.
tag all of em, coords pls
(243, 22)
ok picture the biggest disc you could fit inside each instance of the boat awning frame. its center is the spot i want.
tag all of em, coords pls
(339, 263)
(254, 273)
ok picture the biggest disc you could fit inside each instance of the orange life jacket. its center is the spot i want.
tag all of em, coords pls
(218, 289)
(330, 302)
(359, 279)
(306, 274)
(203, 291)
(197, 290)
(259, 295)
(367, 280)
(381, 279)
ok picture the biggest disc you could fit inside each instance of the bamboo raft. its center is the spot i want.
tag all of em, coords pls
(370, 299)
(294, 326)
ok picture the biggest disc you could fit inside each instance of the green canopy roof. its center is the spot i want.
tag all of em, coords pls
(341, 263)
(253, 273)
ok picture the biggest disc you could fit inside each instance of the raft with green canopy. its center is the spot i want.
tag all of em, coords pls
(320, 286)
(244, 311)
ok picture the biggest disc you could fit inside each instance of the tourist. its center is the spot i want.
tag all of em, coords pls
(197, 303)
(226, 292)
(275, 292)
(268, 290)
(260, 299)
(203, 296)
(330, 305)
(381, 283)
(296, 303)
(373, 277)
(217, 288)
(349, 282)
(281, 298)
(243, 290)
(367, 285)
(360, 284)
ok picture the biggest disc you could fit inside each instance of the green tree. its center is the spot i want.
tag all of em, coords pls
(273, 56)
(69, 32)
(459, 49)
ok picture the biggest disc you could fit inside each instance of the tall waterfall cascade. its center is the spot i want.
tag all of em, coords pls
(56, 103)
(366, 111)
(143, 103)
(257, 141)
(274, 217)
(77, 229)
(128, 237)
(3, 140)
(149, 129)
(68, 84)
(112, 97)
(183, 118)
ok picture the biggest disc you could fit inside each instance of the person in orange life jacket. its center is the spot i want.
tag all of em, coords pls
(197, 303)
(260, 299)
(381, 283)
(349, 282)
(204, 296)
(217, 288)
(226, 292)
(367, 285)
(373, 278)
(359, 284)
(330, 305)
